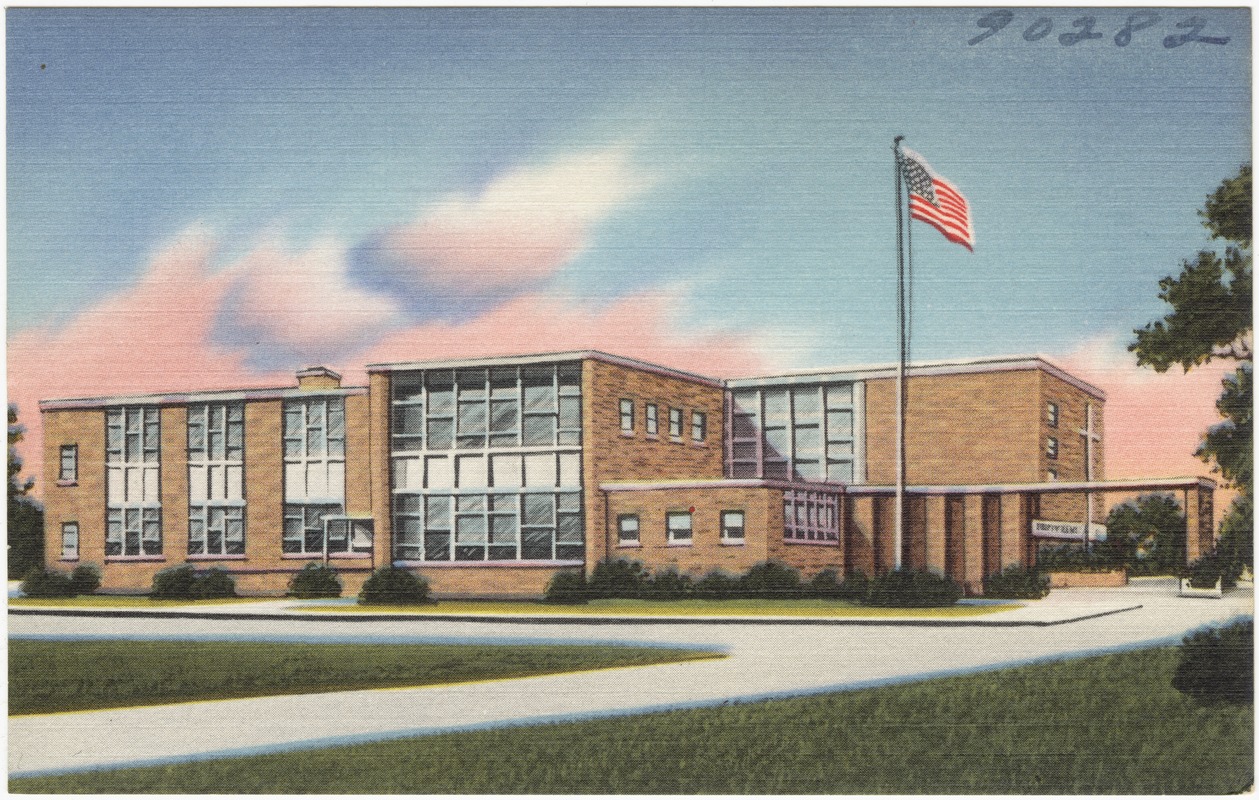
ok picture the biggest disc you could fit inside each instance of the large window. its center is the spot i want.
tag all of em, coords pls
(678, 527)
(216, 479)
(69, 541)
(795, 433)
(811, 516)
(505, 484)
(314, 471)
(68, 470)
(133, 515)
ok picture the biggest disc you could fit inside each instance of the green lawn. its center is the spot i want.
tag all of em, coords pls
(47, 676)
(673, 608)
(1111, 724)
(124, 601)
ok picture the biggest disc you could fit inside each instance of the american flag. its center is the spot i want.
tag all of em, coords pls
(935, 201)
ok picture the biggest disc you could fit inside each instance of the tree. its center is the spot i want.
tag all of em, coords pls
(1148, 533)
(26, 517)
(1212, 317)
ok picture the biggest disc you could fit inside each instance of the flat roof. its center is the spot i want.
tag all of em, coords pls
(546, 358)
(865, 372)
(184, 398)
(1045, 487)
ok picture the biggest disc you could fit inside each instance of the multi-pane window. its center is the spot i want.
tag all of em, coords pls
(1051, 414)
(811, 516)
(732, 527)
(675, 423)
(678, 527)
(1051, 447)
(69, 541)
(627, 416)
(133, 515)
(699, 426)
(504, 485)
(797, 433)
(652, 419)
(68, 471)
(627, 529)
(314, 471)
(216, 482)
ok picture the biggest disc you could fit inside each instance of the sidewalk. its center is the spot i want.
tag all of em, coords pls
(765, 659)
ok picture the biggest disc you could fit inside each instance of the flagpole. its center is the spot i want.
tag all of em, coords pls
(898, 538)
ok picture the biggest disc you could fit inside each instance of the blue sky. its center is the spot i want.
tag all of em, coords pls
(757, 143)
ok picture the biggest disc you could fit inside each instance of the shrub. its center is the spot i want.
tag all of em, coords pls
(618, 578)
(568, 587)
(315, 580)
(904, 588)
(394, 586)
(770, 580)
(175, 583)
(716, 585)
(215, 583)
(1217, 664)
(856, 587)
(41, 582)
(825, 584)
(1017, 582)
(1205, 572)
(667, 585)
(85, 579)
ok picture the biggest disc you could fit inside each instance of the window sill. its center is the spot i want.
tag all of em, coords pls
(211, 557)
(629, 545)
(700, 444)
(732, 542)
(111, 559)
(813, 542)
(491, 564)
(652, 436)
(627, 434)
(69, 559)
(676, 440)
(320, 556)
(678, 544)
(64, 483)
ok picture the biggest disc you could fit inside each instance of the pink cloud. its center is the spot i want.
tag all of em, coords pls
(153, 337)
(524, 226)
(303, 299)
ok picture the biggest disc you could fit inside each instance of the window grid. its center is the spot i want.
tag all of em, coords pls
(69, 541)
(314, 451)
(699, 426)
(652, 419)
(810, 516)
(678, 527)
(526, 526)
(732, 526)
(216, 481)
(627, 529)
(133, 519)
(68, 472)
(627, 416)
(675, 423)
(800, 433)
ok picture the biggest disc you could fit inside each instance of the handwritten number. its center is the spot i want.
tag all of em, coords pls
(1124, 37)
(1195, 24)
(994, 22)
(1085, 24)
(1038, 30)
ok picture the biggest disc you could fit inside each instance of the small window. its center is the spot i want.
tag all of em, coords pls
(1052, 475)
(1051, 447)
(627, 528)
(678, 525)
(627, 416)
(70, 541)
(699, 426)
(69, 471)
(1051, 414)
(675, 423)
(653, 419)
(732, 527)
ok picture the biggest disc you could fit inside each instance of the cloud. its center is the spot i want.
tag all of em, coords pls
(300, 305)
(523, 227)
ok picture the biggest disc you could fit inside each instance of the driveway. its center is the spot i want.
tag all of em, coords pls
(764, 660)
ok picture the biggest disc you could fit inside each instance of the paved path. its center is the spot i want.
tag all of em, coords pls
(764, 660)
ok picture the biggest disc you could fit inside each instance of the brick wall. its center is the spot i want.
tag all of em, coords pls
(82, 502)
(1069, 464)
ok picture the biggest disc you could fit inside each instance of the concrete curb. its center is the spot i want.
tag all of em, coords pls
(520, 619)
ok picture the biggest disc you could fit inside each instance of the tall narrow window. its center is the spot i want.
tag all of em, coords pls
(69, 469)
(1051, 414)
(1051, 447)
(652, 419)
(678, 526)
(314, 470)
(69, 541)
(133, 508)
(675, 423)
(699, 426)
(732, 527)
(627, 416)
(216, 479)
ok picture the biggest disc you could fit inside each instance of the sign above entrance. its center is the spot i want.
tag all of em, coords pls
(1066, 531)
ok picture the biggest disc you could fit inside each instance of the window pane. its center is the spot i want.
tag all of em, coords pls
(775, 407)
(570, 377)
(503, 382)
(569, 501)
(438, 513)
(408, 385)
(838, 423)
(504, 416)
(570, 412)
(539, 509)
(536, 545)
(570, 469)
(776, 442)
(408, 420)
(539, 430)
(470, 530)
(294, 482)
(806, 404)
(839, 396)
(472, 418)
(503, 529)
(437, 545)
(471, 384)
(441, 473)
(470, 502)
(472, 472)
(568, 528)
(540, 470)
(440, 433)
(839, 471)
(441, 393)
(506, 470)
(808, 442)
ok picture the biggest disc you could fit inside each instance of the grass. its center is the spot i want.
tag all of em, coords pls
(1110, 724)
(49, 676)
(673, 608)
(123, 601)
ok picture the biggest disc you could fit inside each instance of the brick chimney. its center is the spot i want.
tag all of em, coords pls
(317, 378)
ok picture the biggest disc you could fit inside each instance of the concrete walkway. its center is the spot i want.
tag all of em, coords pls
(765, 660)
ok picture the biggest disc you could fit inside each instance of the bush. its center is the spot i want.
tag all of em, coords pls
(904, 588)
(183, 583)
(394, 586)
(667, 585)
(716, 585)
(568, 587)
(770, 580)
(1017, 583)
(855, 588)
(41, 582)
(618, 578)
(1206, 571)
(315, 580)
(825, 584)
(85, 579)
(1217, 664)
